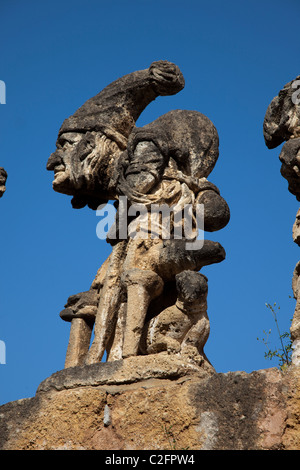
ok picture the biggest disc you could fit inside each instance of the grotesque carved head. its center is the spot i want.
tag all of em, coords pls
(183, 141)
(3, 178)
(82, 166)
(282, 119)
(90, 142)
(191, 286)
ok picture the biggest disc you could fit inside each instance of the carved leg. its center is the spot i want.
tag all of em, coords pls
(79, 343)
(109, 304)
(197, 335)
(142, 286)
(80, 311)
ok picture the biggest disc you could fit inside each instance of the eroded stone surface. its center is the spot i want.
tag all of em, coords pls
(123, 371)
(233, 411)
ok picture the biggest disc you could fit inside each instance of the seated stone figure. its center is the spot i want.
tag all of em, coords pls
(182, 328)
(90, 141)
(166, 162)
(282, 124)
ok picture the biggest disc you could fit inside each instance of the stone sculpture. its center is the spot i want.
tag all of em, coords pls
(3, 178)
(183, 327)
(282, 125)
(147, 297)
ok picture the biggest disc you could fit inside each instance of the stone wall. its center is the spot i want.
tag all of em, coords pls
(100, 407)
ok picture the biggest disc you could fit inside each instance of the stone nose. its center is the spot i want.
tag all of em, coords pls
(53, 161)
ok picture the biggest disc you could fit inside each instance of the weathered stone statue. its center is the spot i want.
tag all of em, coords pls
(3, 178)
(147, 297)
(183, 327)
(282, 124)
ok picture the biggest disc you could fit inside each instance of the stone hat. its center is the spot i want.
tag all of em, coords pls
(187, 136)
(116, 108)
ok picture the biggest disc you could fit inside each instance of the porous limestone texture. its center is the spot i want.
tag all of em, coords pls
(76, 410)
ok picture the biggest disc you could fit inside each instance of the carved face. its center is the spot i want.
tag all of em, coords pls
(290, 168)
(83, 163)
(146, 165)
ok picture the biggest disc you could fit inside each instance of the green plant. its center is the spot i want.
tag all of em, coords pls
(171, 438)
(283, 354)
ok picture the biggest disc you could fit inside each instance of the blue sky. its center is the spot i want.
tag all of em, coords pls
(235, 57)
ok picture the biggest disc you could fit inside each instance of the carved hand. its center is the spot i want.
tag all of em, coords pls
(167, 77)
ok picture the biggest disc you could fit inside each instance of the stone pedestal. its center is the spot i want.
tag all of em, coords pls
(122, 406)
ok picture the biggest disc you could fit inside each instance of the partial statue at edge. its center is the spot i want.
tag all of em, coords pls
(148, 297)
(282, 125)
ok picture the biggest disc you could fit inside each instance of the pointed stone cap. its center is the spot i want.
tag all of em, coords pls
(116, 108)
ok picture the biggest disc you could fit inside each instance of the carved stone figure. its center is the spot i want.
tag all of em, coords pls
(296, 229)
(295, 326)
(101, 155)
(184, 327)
(3, 178)
(81, 310)
(282, 124)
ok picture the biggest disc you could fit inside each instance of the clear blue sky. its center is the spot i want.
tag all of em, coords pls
(235, 57)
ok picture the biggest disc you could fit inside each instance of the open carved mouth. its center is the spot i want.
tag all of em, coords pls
(59, 169)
